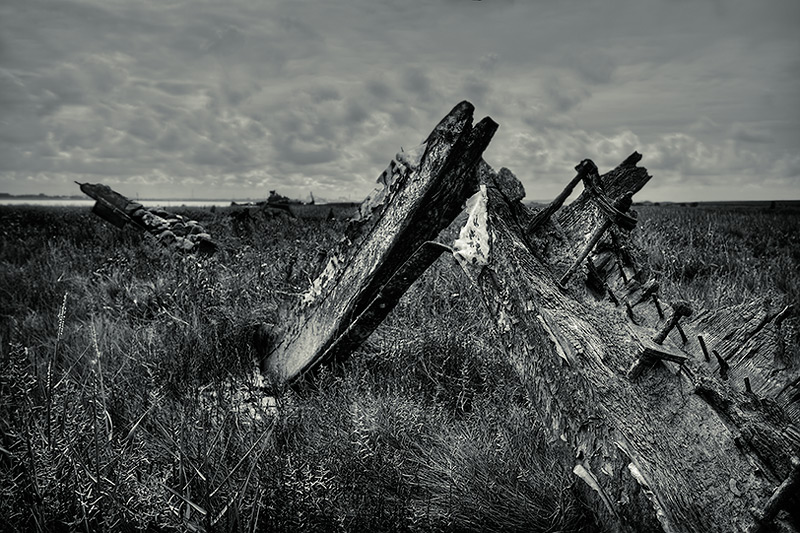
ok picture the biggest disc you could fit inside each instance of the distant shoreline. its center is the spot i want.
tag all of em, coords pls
(155, 202)
(43, 200)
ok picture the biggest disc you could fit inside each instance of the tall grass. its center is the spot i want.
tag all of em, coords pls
(718, 255)
(128, 399)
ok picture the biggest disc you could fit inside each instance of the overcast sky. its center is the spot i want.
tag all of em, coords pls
(213, 99)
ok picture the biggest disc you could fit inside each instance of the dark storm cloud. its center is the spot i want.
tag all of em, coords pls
(417, 81)
(304, 152)
(175, 88)
(378, 89)
(751, 134)
(302, 95)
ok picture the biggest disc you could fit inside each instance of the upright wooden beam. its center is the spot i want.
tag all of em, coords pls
(386, 248)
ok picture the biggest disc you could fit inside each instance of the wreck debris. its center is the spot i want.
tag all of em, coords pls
(689, 445)
(386, 248)
(663, 447)
(175, 231)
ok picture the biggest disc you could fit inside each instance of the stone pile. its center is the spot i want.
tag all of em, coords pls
(173, 230)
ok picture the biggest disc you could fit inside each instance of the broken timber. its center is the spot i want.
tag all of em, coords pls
(660, 440)
(171, 230)
(386, 248)
(661, 436)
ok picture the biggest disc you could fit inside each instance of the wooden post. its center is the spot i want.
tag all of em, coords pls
(675, 449)
(585, 168)
(387, 248)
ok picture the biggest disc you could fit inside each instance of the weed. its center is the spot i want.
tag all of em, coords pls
(127, 397)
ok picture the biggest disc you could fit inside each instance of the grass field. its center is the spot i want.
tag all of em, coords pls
(128, 399)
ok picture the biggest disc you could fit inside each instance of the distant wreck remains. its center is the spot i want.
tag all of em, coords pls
(274, 204)
(175, 231)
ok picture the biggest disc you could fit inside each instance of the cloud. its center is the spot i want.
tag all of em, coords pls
(594, 66)
(249, 95)
(416, 80)
(750, 133)
(144, 127)
(305, 151)
(488, 63)
(565, 94)
(378, 89)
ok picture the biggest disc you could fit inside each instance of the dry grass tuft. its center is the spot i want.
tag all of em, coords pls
(127, 398)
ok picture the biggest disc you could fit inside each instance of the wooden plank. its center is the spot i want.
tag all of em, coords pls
(418, 195)
(672, 451)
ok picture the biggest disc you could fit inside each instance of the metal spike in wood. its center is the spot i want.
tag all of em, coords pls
(680, 309)
(682, 333)
(723, 365)
(585, 168)
(629, 312)
(658, 306)
(650, 354)
(653, 350)
(648, 290)
(780, 499)
(702, 342)
(621, 205)
(420, 193)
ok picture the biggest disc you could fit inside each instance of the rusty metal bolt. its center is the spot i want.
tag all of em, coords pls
(679, 309)
(702, 342)
(658, 306)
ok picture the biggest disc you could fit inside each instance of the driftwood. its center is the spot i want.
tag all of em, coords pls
(661, 435)
(385, 250)
(171, 230)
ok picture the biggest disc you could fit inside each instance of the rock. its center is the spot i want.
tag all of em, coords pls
(184, 244)
(153, 221)
(179, 229)
(166, 237)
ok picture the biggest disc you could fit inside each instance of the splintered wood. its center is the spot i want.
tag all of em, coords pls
(386, 248)
(662, 436)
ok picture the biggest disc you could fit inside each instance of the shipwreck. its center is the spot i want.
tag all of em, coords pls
(672, 418)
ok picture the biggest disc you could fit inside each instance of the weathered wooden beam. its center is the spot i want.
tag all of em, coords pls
(109, 205)
(673, 449)
(170, 229)
(584, 168)
(385, 250)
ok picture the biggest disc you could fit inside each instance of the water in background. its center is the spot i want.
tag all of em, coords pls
(88, 202)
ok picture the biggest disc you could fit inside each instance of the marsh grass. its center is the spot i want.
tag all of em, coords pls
(718, 255)
(128, 400)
